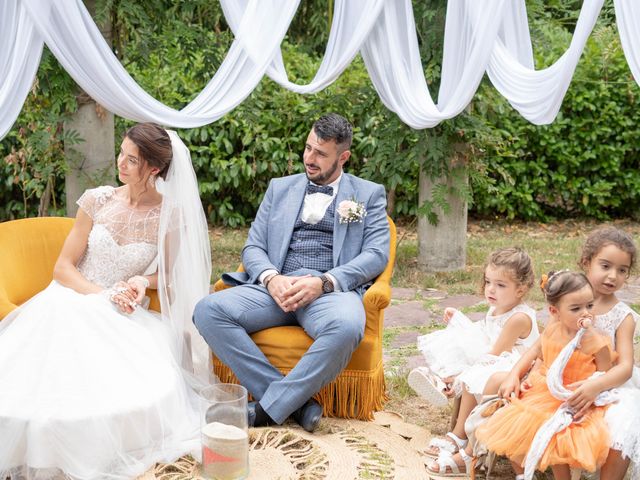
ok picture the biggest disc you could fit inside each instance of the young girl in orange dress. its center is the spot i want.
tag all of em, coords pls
(511, 430)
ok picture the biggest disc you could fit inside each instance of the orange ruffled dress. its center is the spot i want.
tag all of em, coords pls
(583, 444)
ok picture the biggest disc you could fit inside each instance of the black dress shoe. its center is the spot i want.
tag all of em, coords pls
(251, 414)
(309, 415)
(257, 417)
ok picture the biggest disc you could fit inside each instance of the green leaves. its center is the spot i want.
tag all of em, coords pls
(586, 162)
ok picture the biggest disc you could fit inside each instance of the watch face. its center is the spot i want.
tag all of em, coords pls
(327, 285)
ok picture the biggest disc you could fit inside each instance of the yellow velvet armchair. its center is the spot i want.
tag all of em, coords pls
(29, 249)
(360, 389)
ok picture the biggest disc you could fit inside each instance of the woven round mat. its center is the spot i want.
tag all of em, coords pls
(340, 449)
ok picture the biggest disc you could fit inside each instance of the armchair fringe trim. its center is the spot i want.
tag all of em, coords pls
(353, 394)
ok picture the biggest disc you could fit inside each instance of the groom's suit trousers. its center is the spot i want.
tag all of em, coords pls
(335, 321)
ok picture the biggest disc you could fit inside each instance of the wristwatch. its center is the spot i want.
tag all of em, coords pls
(327, 284)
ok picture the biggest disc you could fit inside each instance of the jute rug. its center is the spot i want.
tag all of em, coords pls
(341, 449)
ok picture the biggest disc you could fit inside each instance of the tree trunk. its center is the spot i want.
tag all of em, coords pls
(43, 207)
(443, 247)
(391, 201)
(91, 163)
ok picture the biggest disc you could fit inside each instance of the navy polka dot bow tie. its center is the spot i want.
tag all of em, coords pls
(326, 189)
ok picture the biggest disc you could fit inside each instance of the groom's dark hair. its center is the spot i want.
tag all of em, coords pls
(334, 127)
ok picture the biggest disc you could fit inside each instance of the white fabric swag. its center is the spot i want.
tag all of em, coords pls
(481, 36)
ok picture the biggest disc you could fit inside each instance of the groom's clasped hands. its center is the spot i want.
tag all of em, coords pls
(293, 292)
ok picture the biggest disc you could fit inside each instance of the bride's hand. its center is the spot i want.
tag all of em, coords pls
(139, 284)
(122, 296)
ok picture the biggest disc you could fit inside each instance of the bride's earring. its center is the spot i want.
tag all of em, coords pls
(152, 180)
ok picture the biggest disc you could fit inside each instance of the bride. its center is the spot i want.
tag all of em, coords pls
(93, 385)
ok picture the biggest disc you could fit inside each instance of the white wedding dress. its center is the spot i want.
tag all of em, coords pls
(87, 392)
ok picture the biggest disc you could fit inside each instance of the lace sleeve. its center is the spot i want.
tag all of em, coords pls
(93, 198)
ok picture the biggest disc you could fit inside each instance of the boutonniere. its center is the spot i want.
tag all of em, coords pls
(351, 211)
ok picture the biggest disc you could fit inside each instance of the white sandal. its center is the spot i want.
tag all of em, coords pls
(448, 468)
(428, 386)
(452, 446)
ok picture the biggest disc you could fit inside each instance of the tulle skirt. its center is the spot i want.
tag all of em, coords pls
(623, 418)
(89, 393)
(450, 351)
(510, 432)
(475, 378)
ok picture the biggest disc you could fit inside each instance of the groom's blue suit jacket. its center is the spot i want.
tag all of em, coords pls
(360, 249)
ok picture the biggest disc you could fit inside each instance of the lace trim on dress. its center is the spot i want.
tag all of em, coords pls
(125, 224)
(105, 262)
(610, 321)
(123, 240)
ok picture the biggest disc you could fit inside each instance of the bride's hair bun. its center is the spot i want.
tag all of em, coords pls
(154, 145)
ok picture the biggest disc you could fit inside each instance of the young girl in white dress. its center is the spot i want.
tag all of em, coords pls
(93, 386)
(607, 258)
(461, 358)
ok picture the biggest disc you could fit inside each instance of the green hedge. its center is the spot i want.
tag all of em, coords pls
(586, 163)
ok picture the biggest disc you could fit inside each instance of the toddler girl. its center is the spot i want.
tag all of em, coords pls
(511, 430)
(461, 358)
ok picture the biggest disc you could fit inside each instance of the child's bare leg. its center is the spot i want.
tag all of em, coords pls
(467, 403)
(494, 383)
(615, 467)
(561, 472)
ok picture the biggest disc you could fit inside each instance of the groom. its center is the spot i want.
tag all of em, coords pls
(308, 262)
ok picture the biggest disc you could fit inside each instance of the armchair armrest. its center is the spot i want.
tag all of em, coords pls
(220, 285)
(378, 295)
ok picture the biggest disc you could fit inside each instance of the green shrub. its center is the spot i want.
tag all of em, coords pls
(32, 164)
(583, 164)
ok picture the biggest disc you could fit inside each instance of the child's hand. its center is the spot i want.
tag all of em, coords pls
(449, 391)
(448, 314)
(585, 393)
(510, 387)
(525, 385)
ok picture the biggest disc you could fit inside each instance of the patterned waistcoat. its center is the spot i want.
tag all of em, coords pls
(311, 245)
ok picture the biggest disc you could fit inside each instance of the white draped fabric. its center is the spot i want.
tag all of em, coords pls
(628, 20)
(537, 95)
(352, 22)
(20, 52)
(392, 58)
(75, 40)
(491, 36)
